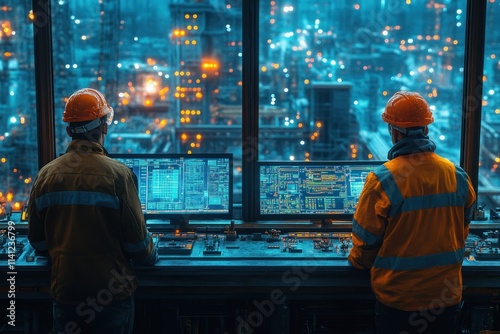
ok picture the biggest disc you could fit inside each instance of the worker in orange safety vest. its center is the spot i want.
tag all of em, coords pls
(411, 224)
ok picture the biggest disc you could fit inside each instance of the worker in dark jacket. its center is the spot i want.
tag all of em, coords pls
(410, 226)
(85, 211)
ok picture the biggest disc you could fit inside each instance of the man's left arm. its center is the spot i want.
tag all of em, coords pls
(137, 240)
(469, 206)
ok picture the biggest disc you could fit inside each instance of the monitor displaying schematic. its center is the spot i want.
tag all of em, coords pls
(183, 187)
(311, 190)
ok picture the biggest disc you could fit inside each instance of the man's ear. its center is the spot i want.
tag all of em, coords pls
(426, 130)
(69, 132)
(105, 129)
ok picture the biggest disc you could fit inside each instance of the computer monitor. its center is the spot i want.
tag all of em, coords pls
(183, 187)
(327, 190)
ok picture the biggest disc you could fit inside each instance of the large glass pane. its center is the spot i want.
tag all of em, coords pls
(489, 160)
(327, 69)
(18, 140)
(170, 69)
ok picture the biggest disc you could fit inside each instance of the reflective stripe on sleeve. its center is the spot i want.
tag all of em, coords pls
(77, 198)
(368, 238)
(419, 262)
(462, 185)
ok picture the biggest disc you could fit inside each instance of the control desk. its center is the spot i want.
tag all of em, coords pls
(252, 251)
(482, 247)
(268, 277)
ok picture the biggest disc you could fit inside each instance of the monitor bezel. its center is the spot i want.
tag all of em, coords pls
(185, 218)
(321, 217)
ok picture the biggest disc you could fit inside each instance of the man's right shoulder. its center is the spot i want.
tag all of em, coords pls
(120, 169)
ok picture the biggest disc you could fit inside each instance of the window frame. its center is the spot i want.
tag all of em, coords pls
(471, 96)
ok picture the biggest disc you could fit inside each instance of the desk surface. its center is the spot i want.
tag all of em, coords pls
(258, 259)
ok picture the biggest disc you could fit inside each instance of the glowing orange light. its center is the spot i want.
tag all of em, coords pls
(209, 64)
(177, 33)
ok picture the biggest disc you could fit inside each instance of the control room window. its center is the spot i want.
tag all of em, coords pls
(327, 69)
(170, 69)
(489, 158)
(18, 144)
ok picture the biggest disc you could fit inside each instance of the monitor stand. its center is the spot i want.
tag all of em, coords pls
(325, 222)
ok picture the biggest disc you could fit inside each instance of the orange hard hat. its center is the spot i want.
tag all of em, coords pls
(85, 105)
(407, 110)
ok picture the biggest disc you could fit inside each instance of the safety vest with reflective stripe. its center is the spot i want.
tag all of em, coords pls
(410, 229)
